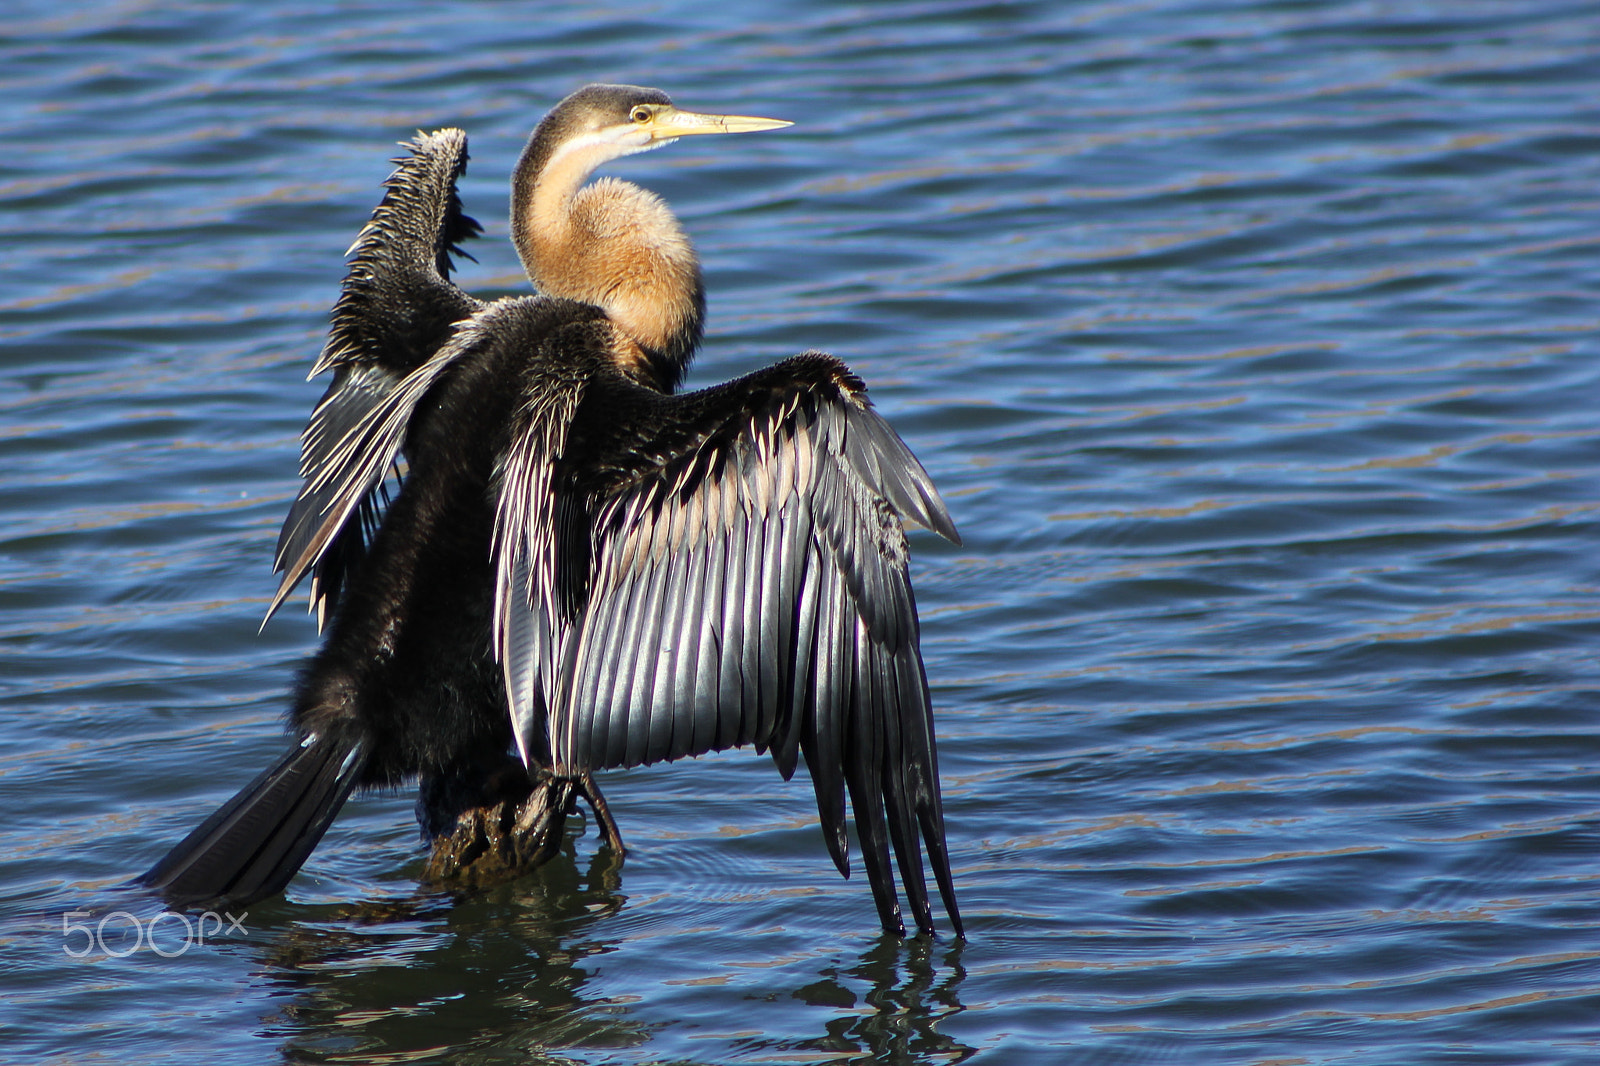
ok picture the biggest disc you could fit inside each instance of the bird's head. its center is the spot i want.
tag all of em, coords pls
(603, 122)
(611, 243)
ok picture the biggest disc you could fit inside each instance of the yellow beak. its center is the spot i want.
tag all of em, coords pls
(668, 123)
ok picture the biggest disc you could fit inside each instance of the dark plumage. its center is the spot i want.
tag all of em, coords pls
(579, 564)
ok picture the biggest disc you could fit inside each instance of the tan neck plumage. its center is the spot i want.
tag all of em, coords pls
(616, 246)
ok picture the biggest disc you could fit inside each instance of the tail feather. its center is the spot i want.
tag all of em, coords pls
(257, 841)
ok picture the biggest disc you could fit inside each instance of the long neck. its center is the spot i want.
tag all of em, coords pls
(613, 245)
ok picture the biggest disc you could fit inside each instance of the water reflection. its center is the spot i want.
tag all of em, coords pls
(385, 981)
(508, 970)
(914, 986)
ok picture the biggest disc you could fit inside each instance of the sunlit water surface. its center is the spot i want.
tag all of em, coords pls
(1253, 345)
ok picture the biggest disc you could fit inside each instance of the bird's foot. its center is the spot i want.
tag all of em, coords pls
(482, 836)
(602, 813)
(505, 827)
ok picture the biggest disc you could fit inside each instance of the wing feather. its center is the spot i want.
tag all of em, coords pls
(342, 477)
(747, 582)
(731, 645)
(610, 645)
(899, 794)
(686, 643)
(636, 635)
(801, 680)
(396, 310)
(665, 661)
(863, 764)
(756, 685)
(820, 739)
(708, 676)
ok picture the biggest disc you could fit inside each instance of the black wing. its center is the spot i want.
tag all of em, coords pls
(739, 576)
(395, 311)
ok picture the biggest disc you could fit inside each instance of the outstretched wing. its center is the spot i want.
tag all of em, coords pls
(738, 575)
(395, 311)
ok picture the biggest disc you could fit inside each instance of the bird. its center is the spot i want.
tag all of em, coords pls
(532, 557)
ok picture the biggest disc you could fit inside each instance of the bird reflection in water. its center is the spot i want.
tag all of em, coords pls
(513, 970)
(909, 994)
(504, 967)
(580, 568)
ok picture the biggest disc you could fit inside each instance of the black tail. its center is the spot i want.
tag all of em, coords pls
(257, 841)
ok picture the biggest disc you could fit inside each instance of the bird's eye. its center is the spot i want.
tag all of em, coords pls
(640, 114)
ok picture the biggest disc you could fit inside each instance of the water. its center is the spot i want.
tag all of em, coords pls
(1252, 344)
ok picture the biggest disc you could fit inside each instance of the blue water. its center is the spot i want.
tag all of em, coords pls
(1253, 345)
